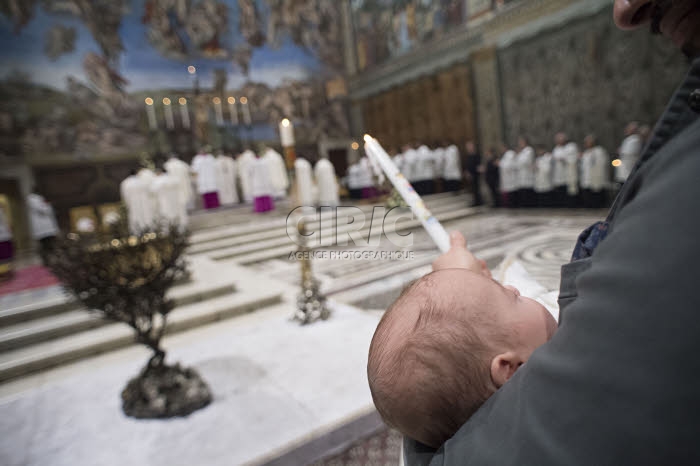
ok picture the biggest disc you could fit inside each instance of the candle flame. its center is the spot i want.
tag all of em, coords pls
(232, 100)
(244, 100)
(216, 100)
(355, 146)
(285, 122)
(191, 69)
(368, 138)
(166, 101)
(182, 101)
(616, 163)
(149, 101)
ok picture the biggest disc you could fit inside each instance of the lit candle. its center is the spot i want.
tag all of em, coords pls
(414, 201)
(184, 113)
(233, 110)
(151, 112)
(247, 120)
(286, 133)
(218, 110)
(168, 111)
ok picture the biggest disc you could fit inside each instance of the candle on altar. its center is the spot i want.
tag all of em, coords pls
(218, 111)
(168, 112)
(430, 223)
(286, 133)
(184, 113)
(151, 112)
(247, 120)
(233, 110)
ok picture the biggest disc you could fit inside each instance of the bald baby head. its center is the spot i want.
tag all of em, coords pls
(435, 356)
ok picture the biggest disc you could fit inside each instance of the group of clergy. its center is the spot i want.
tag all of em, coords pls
(425, 168)
(165, 196)
(565, 176)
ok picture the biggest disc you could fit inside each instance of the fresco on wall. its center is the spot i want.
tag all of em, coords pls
(385, 29)
(77, 75)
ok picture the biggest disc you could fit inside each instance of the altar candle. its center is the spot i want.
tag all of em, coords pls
(151, 112)
(168, 112)
(286, 133)
(184, 113)
(218, 111)
(414, 201)
(233, 110)
(247, 120)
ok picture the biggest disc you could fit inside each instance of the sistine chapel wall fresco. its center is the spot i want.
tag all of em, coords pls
(77, 75)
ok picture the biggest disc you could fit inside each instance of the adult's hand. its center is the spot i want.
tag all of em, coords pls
(459, 257)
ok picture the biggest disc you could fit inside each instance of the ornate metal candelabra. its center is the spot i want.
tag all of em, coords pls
(311, 303)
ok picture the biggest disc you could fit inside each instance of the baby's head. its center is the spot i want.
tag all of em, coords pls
(445, 346)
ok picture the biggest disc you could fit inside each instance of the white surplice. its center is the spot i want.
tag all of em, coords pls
(244, 162)
(327, 183)
(278, 172)
(226, 180)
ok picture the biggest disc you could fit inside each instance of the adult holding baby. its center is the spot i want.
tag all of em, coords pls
(619, 382)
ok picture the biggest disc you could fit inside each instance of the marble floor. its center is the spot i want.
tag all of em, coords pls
(278, 387)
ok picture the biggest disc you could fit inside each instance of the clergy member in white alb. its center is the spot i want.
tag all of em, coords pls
(565, 177)
(245, 160)
(226, 179)
(278, 172)
(136, 194)
(181, 171)
(525, 163)
(204, 166)
(630, 150)
(594, 173)
(305, 183)
(327, 183)
(261, 186)
(424, 171)
(509, 176)
(452, 169)
(543, 178)
(366, 180)
(166, 192)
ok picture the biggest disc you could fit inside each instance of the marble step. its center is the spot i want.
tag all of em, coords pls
(109, 337)
(263, 223)
(283, 240)
(279, 230)
(205, 282)
(203, 220)
(37, 330)
(283, 251)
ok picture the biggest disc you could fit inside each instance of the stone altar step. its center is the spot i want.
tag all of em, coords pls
(108, 337)
(205, 282)
(203, 220)
(261, 224)
(284, 241)
(230, 236)
(283, 250)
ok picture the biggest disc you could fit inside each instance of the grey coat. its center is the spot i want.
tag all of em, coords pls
(619, 383)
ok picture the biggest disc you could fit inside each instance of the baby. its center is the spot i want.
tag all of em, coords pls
(448, 343)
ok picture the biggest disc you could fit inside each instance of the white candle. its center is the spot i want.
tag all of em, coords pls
(247, 120)
(168, 112)
(151, 112)
(184, 113)
(233, 110)
(414, 201)
(286, 133)
(218, 111)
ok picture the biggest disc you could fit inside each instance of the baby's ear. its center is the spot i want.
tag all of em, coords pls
(503, 367)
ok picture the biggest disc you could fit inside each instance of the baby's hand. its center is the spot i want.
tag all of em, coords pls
(459, 257)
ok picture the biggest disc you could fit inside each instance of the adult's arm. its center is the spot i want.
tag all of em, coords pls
(619, 383)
